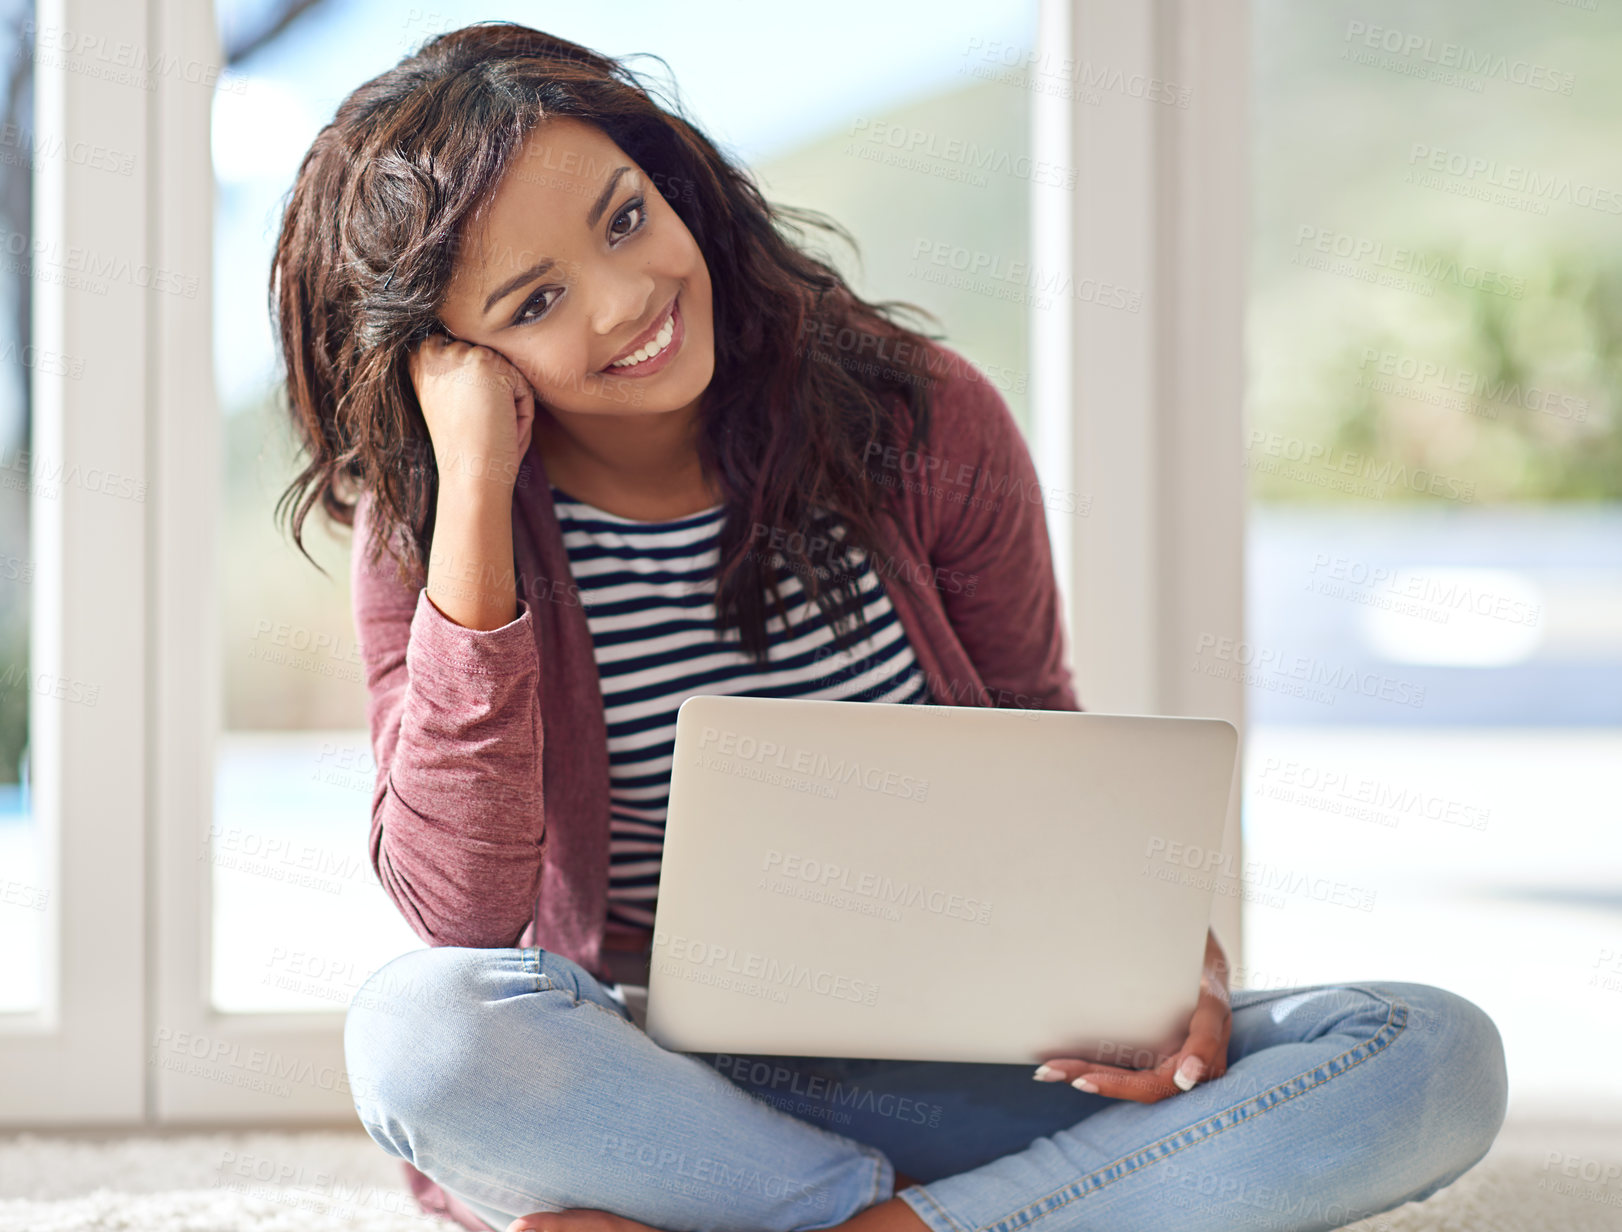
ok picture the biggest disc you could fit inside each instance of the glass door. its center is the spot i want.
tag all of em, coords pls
(1434, 448)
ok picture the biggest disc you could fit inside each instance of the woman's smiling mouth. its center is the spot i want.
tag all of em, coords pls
(654, 352)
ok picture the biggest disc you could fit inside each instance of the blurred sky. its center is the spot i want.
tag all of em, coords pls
(758, 80)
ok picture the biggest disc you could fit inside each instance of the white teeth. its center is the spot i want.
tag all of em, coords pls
(660, 341)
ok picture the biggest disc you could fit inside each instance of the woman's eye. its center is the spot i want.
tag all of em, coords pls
(635, 205)
(524, 314)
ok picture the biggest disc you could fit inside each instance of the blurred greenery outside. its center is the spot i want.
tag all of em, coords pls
(1436, 277)
(1500, 395)
(1396, 326)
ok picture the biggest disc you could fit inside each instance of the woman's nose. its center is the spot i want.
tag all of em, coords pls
(619, 313)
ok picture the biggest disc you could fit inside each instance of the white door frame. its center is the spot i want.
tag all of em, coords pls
(81, 1059)
(1139, 414)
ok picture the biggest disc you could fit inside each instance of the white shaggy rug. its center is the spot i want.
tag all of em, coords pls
(1536, 1179)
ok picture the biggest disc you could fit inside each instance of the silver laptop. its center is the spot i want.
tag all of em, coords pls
(951, 883)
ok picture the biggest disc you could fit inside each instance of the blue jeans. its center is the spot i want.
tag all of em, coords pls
(519, 1083)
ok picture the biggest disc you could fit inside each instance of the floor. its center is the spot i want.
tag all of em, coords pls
(1484, 861)
(1539, 1177)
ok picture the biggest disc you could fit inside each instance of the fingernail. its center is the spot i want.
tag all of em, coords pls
(1081, 1084)
(1189, 1072)
(1046, 1073)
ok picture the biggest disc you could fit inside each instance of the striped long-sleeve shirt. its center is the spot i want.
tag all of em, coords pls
(649, 593)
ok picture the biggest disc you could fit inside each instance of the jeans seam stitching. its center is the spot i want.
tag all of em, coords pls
(1075, 1190)
(532, 960)
(928, 1197)
(614, 1014)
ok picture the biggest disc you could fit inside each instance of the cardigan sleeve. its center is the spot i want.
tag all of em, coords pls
(992, 559)
(457, 822)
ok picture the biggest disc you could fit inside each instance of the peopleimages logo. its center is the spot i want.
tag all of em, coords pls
(1540, 186)
(829, 875)
(1399, 259)
(1472, 61)
(1303, 675)
(814, 764)
(1364, 474)
(1429, 380)
(753, 973)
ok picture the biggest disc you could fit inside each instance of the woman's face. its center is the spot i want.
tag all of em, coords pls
(578, 258)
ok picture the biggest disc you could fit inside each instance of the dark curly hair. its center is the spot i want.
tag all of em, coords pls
(369, 233)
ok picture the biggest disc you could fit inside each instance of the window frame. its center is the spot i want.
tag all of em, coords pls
(1159, 560)
(80, 1058)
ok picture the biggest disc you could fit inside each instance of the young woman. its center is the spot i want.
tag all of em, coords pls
(608, 440)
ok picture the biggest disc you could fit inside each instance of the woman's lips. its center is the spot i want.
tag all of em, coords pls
(649, 366)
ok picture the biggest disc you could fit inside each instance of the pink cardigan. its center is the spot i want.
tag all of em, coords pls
(490, 814)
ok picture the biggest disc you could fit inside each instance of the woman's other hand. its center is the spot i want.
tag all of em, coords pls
(1203, 1056)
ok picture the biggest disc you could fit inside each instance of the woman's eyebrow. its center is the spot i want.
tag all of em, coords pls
(545, 263)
